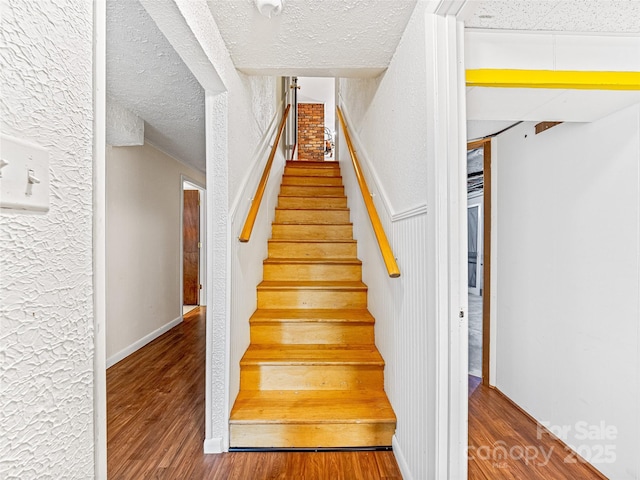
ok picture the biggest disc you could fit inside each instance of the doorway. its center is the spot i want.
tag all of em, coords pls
(316, 118)
(478, 258)
(193, 237)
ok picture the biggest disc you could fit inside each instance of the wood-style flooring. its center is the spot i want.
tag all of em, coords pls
(155, 417)
(504, 443)
(156, 428)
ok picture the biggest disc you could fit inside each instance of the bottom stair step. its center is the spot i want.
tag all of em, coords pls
(308, 419)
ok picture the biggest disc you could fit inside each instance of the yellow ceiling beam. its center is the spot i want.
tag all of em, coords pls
(564, 79)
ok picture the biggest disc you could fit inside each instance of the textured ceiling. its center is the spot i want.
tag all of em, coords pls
(318, 38)
(146, 76)
(603, 16)
(313, 37)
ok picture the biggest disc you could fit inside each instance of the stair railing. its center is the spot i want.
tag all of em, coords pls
(381, 237)
(245, 234)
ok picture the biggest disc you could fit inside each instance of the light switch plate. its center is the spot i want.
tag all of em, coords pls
(24, 176)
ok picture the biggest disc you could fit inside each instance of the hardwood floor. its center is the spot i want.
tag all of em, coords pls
(504, 443)
(155, 416)
(156, 428)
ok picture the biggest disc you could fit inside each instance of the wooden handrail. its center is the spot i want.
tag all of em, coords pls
(257, 199)
(383, 243)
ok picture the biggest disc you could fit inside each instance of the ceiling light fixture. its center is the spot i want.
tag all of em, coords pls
(269, 8)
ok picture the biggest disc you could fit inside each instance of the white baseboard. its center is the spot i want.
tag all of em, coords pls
(213, 445)
(125, 352)
(402, 462)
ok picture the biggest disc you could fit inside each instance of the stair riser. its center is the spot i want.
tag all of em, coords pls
(311, 435)
(312, 250)
(311, 164)
(312, 172)
(311, 377)
(306, 202)
(317, 333)
(312, 216)
(312, 232)
(308, 180)
(314, 272)
(311, 299)
(311, 191)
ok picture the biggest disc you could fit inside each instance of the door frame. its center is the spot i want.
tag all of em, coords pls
(485, 144)
(203, 238)
(99, 252)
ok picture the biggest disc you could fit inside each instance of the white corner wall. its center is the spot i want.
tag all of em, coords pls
(143, 246)
(388, 118)
(46, 289)
(568, 287)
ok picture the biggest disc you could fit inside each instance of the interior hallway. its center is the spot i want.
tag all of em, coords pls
(155, 415)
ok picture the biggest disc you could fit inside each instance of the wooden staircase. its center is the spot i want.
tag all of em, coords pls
(312, 376)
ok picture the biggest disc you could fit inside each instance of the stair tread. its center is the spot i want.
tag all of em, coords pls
(309, 354)
(313, 224)
(311, 209)
(297, 195)
(310, 185)
(302, 182)
(313, 240)
(312, 406)
(311, 196)
(311, 285)
(312, 261)
(312, 163)
(303, 199)
(291, 175)
(312, 315)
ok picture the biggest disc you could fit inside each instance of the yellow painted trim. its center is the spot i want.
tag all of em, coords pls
(564, 79)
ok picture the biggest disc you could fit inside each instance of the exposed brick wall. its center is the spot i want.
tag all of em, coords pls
(311, 131)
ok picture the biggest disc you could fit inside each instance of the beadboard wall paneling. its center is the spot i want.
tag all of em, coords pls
(399, 306)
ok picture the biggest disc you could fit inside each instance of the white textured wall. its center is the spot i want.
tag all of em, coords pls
(568, 287)
(235, 148)
(143, 244)
(46, 322)
(390, 116)
(391, 139)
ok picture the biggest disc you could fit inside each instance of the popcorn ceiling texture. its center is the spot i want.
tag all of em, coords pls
(46, 321)
(313, 38)
(558, 15)
(146, 76)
